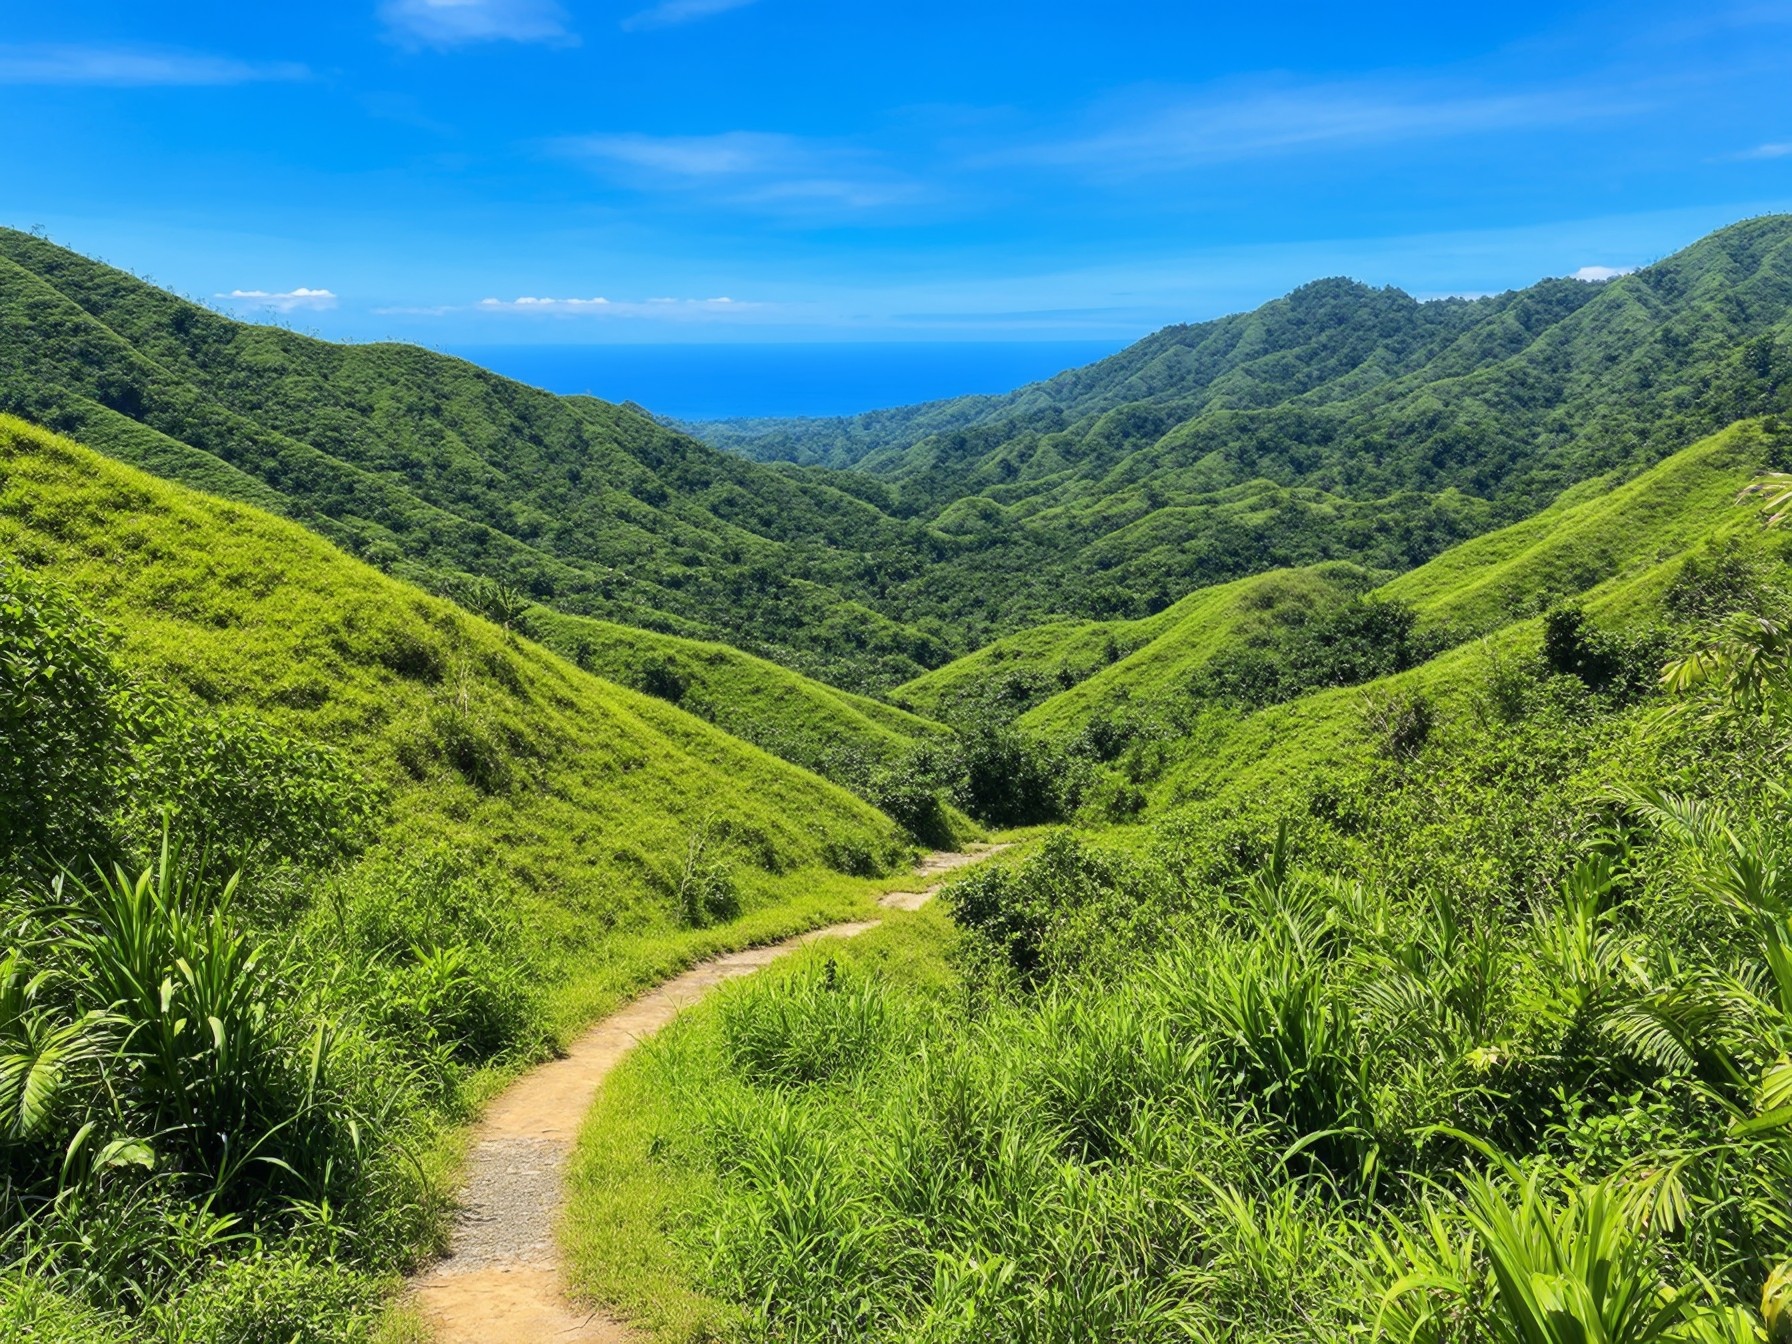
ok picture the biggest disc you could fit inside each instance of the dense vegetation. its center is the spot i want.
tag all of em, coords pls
(295, 860)
(1475, 1034)
(1410, 957)
(1339, 423)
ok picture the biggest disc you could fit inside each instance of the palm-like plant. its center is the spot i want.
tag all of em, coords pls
(1774, 489)
(1528, 1270)
(40, 1050)
(1746, 662)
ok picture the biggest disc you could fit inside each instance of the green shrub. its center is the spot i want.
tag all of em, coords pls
(465, 1000)
(423, 897)
(62, 724)
(705, 892)
(273, 1298)
(812, 1025)
(233, 787)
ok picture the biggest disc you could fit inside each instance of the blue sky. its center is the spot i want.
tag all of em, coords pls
(498, 171)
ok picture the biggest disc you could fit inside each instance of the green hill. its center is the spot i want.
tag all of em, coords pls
(806, 722)
(1614, 554)
(434, 468)
(1600, 530)
(586, 793)
(1340, 422)
(1337, 423)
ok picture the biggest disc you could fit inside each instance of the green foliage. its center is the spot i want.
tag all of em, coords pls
(264, 1298)
(60, 722)
(1528, 1272)
(1214, 1079)
(94, 762)
(812, 1025)
(1355, 642)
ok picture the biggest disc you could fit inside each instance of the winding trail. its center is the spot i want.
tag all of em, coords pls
(502, 1281)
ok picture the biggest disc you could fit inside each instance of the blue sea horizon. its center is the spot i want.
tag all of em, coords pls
(718, 382)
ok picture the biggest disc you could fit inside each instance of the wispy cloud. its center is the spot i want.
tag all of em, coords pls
(1778, 150)
(748, 168)
(287, 301)
(665, 308)
(133, 66)
(530, 306)
(453, 23)
(1168, 133)
(674, 12)
(1598, 273)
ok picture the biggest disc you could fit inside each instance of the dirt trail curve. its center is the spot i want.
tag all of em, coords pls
(501, 1282)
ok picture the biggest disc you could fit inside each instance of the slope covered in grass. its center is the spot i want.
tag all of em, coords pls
(1617, 555)
(587, 793)
(429, 465)
(1598, 531)
(804, 721)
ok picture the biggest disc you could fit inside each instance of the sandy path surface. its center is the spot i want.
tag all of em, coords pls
(501, 1283)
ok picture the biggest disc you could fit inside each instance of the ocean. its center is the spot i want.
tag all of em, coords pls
(715, 382)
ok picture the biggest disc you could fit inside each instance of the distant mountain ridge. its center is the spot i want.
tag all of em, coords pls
(1337, 423)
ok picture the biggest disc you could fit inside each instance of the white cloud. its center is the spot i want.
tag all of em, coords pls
(730, 154)
(132, 67)
(748, 168)
(452, 23)
(1168, 134)
(1770, 151)
(674, 12)
(1597, 273)
(288, 301)
(666, 308)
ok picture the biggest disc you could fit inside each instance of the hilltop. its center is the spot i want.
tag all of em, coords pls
(1340, 423)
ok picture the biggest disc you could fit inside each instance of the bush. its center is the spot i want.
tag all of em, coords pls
(273, 1298)
(1607, 663)
(1346, 645)
(1398, 724)
(705, 892)
(241, 791)
(808, 1026)
(462, 1000)
(62, 721)
(425, 897)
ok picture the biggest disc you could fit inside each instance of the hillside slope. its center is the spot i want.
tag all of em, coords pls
(805, 722)
(586, 793)
(1600, 530)
(435, 468)
(1340, 422)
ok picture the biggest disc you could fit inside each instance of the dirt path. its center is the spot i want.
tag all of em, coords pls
(501, 1282)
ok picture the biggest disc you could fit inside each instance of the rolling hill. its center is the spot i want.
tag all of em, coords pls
(1612, 547)
(433, 468)
(586, 793)
(1339, 423)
